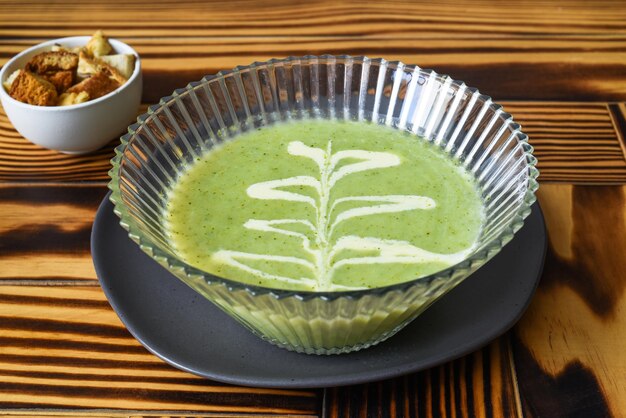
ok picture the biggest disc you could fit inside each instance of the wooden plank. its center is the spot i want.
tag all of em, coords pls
(481, 384)
(216, 416)
(21, 160)
(523, 68)
(574, 142)
(114, 414)
(64, 348)
(55, 414)
(618, 117)
(210, 415)
(569, 346)
(45, 232)
(283, 17)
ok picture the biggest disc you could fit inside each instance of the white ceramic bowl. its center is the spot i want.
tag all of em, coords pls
(80, 128)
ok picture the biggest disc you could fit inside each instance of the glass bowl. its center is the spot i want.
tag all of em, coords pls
(466, 124)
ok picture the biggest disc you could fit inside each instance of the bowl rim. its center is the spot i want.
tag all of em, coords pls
(174, 263)
(115, 43)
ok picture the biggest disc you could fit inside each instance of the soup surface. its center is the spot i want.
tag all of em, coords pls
(324, 206)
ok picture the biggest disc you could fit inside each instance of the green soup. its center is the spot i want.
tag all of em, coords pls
(324, 206)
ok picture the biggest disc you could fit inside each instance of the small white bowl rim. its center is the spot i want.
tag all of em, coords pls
(4, 70)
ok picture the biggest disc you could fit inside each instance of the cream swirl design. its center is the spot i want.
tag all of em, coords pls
(322, 247)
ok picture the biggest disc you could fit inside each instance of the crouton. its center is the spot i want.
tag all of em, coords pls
(52, 61)
(96, 86)
(62, 80)
(67, 99)
(123, 63)
(49, 77)
(98, 45)
(89, 66)
(57, 47)
(7, 83)
(33, 89)
(86, 64)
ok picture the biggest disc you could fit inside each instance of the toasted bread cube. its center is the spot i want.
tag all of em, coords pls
(52, 61)
(57, 47)
(123, 63)
(68, 99)
(89, 66)
(33, 89)
(62, 80)
(86, 64)
(96, 86)
(10, 79)
(98, 45)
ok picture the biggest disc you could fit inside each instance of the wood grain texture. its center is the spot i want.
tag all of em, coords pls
(523, 68)
(559, 68)
(283, 17)
(72, 414)
(481, 384)
(21, 160)
(574, 142)
(570, 344)
(617, 111)
(115, 414)
(219, 415)
(552, 51)
(64, 348)
(45, 232)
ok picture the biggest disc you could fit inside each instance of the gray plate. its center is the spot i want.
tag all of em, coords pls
(189, 332)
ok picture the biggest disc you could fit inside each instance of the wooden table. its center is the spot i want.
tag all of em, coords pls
(558, 67)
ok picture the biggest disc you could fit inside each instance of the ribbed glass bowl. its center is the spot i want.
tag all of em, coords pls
(466, 124)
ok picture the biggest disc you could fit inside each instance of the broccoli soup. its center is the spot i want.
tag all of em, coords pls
(324, 206)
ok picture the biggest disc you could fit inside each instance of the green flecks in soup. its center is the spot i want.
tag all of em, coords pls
(324, 205)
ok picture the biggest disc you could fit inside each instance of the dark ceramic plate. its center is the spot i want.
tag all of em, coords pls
(189, 332)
